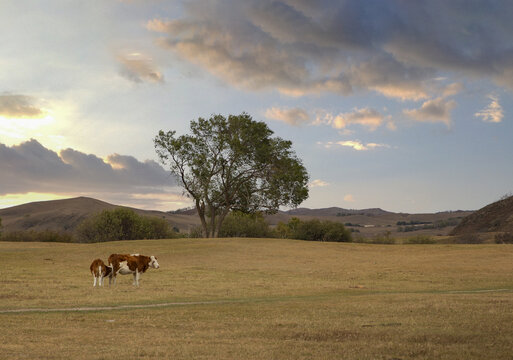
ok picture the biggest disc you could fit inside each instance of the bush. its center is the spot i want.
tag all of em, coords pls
(122, 224)
(238, 224)
(420, 239)
(313, 230)
(468, 239)
(384, 238)
(196, 232)
(43, 236)
(504, 238)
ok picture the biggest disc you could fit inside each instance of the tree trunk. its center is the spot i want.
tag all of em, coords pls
(220, 222)
(201, 212)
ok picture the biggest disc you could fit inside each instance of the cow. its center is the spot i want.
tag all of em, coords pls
(135, 264)
(99, 271)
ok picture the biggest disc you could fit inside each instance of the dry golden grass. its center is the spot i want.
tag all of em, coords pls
(276, 299)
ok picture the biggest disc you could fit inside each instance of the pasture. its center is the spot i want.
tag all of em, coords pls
(259, 299)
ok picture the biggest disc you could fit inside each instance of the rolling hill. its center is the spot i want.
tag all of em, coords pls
(67, 214)
(495, 217)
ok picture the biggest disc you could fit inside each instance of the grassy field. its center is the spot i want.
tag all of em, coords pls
(260, 299)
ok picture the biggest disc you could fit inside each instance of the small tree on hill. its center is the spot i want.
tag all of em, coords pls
(233, 164)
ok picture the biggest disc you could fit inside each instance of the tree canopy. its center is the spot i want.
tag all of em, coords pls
(233, 163)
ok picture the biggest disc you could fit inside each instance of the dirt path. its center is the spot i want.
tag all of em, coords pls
(217, 302)
(120, 307)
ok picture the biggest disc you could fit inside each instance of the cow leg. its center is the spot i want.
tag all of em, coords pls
(94, 283)
(101, 280)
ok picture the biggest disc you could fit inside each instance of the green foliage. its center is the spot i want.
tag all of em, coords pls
(233, 164)
(43, 236)
(420, 239)
(122, 224)
(313, 230)
(384, 238)
(195, 232)
(238, 224)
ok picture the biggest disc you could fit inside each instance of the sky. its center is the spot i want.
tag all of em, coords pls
(402, 105)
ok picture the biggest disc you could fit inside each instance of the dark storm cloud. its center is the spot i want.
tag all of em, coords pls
(396, 48)
(30, 167)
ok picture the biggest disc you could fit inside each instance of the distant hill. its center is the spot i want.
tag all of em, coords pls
(67, 214)
(336, 211)
(370, 222)
(496, 217)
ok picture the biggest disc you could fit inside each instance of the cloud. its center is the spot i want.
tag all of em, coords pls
(139, 68)
(435, 110)
(318, 183)
(295, 116)
(298, 47)
(493, 112)
(452, 89)
(30, 167)
(272, 45)
(349, 198)
(366, 117)
(20, 106)
(354, 144)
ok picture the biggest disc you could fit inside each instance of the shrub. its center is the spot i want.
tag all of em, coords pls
(504, 238)
(238, 224)
(468, 239)
(313, 230)
(384, 238)
(43, 236)
(196, 232)
(420, 239)
(122, 224)
(381, 239)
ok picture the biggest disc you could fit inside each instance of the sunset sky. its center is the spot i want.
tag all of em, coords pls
(402, 105)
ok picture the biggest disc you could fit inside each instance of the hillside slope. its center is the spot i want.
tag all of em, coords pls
(67, 214)
(496, 217)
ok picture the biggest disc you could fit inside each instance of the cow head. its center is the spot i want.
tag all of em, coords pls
(153, 262)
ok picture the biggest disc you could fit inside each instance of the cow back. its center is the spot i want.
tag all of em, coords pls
(115, 259)
(94, 266)
(140, 263)
(98, 263)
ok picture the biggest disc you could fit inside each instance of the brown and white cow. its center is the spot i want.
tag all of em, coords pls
(99, 271)
(135, 264)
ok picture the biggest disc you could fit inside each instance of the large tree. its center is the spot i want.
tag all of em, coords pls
(233, 164)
